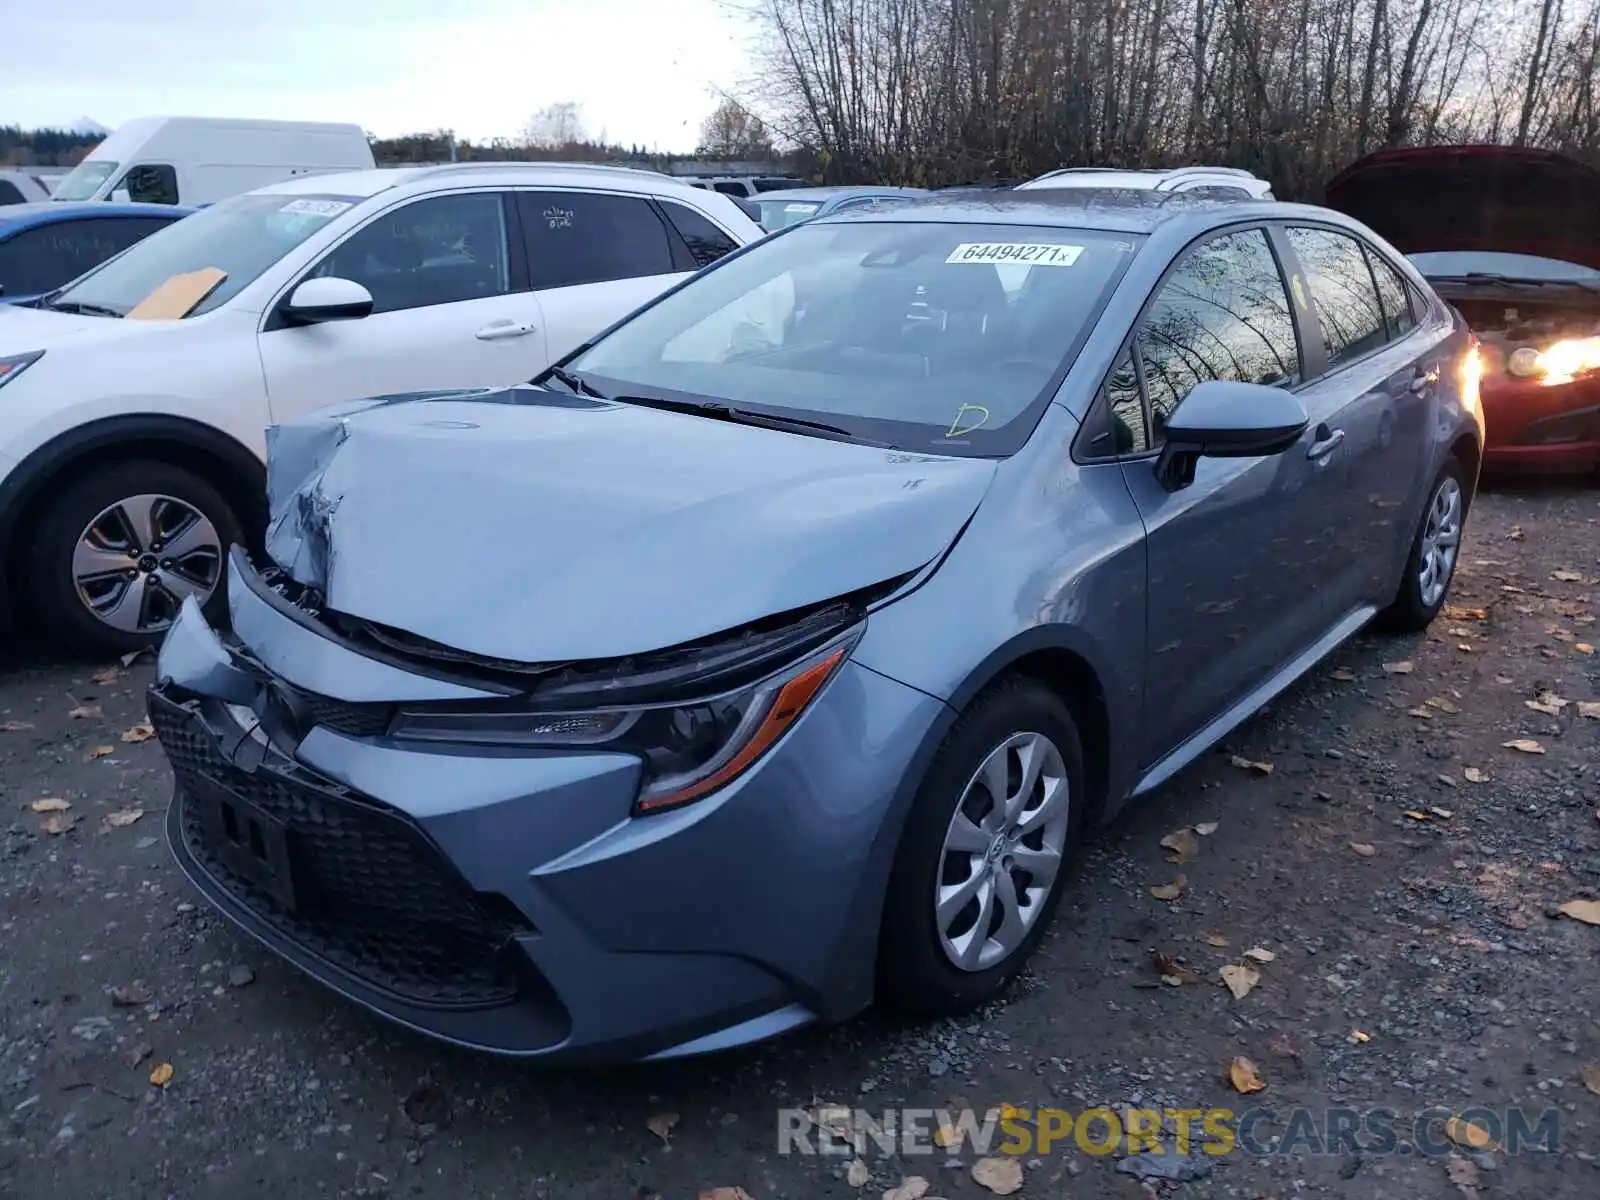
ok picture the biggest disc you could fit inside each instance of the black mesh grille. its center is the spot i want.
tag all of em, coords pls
(372, 894)
(355, 720)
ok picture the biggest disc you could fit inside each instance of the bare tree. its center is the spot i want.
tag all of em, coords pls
(554, 126)
(732, 131)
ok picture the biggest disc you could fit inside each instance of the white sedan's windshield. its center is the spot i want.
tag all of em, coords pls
(242, 237)
(780, 214)
(1438, 264)
(84, 180)
(946, 337)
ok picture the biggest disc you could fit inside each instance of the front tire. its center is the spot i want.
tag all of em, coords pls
(983, 855)
(1435, 550)
(111, 558)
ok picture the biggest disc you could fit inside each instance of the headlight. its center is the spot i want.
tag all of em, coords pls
(1560, 363)
(690, 749)
(16, 364)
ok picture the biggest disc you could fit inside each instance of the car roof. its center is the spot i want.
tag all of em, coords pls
(48, 212)
(370, 183)
(1121, 210)
(831, 192)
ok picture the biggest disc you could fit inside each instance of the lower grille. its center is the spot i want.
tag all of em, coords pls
(353, 720)
(371, 894)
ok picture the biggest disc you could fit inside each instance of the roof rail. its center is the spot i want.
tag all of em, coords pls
(1236, 172)
(1193, 170)
(509, 165)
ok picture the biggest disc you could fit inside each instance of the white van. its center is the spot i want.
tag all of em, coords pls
(200, 160)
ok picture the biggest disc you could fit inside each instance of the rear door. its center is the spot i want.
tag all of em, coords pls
(1368, 400)
(1232, 593)
(594, 257)
(452, 309)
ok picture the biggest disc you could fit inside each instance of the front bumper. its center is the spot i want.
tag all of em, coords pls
(1533, 427)
(506, 900)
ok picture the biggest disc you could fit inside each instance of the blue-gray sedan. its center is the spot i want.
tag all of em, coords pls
(769, 655)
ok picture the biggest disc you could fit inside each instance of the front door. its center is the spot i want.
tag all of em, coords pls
(1232, 587)
(451, 309)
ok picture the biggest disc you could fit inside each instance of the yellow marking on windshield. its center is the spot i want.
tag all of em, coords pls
(957, 429)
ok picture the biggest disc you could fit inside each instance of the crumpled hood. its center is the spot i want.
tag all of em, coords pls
(536, 527)
(1515, 199)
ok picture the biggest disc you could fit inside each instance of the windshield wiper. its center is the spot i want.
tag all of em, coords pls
(1512, 280)
(85, 310)
(577, 383)
(719, 411)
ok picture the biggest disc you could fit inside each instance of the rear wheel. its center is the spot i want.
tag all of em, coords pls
(1431, 565)
(981, 861)
(111, 559)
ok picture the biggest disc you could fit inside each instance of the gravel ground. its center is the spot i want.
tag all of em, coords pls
(1401, 865)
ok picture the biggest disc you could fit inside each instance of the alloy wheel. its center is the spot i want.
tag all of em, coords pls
(1002, 851)
(1441, 541)
(137, 561)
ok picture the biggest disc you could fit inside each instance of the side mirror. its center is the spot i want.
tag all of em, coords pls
(122, 196)
(327, 299)
(1223, 419)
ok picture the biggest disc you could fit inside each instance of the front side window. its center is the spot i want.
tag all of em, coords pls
(902, 333)
(1395, 295)
(1223, 313)
(1343, 293)
(242, 237)
(150, 183)
(707, 242)
(592, 237)
(84, 180)
(442, 250)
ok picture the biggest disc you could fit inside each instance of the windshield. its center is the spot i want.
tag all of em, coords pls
(1442, 263)
(242, 236)
(941, 337)
(83, 180)
(780, 214)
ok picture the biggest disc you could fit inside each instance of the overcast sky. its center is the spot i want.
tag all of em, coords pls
(643, 70)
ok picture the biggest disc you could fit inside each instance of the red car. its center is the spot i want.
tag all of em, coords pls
(1511, 237)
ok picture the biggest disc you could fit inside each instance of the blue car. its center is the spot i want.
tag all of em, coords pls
(770, 654)
(779, 210)
(46, 245)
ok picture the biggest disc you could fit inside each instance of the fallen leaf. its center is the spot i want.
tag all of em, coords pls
(161, 1076)
(1207, 828)
(142, 732)
(1590, 709)
(1474, 775)
(14, 726)
(98, 752)
(946, 1135)
(1257, 954)
(1444, 704)
(1545, 707)
(661, 1125)
(1584, 648)
(1241, 980)
(1446, 813)
(1464, 1174)
(1423, 713)
(1457, 612)
(1246, 764)
(1343, 674)
(1404, 667)
(1216, 939)
(724, 1193)
(58, 823)
(1358, 1038)
(1591, 1077)
(131, 996)
(123, 817)
(1587, 911)
(1525, 745)
(1170, 891)
(1242, 1074)
(105, 676)
(912, 1187)
(1467, 1133)
(1365, 849)
(857, 1173)
(139, 1053)
(1002, 1176)
(1566, 576)
(84, 711)
(1464, 647)
(1171, 971)
(1416, 814)
(50, 804)
(1183, 845)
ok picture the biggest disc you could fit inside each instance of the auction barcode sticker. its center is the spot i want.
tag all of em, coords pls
(1042, 254)
(315, 208)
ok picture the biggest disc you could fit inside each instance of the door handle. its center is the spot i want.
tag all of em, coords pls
(501, 330)
(1327, 442)
(1422, 380)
